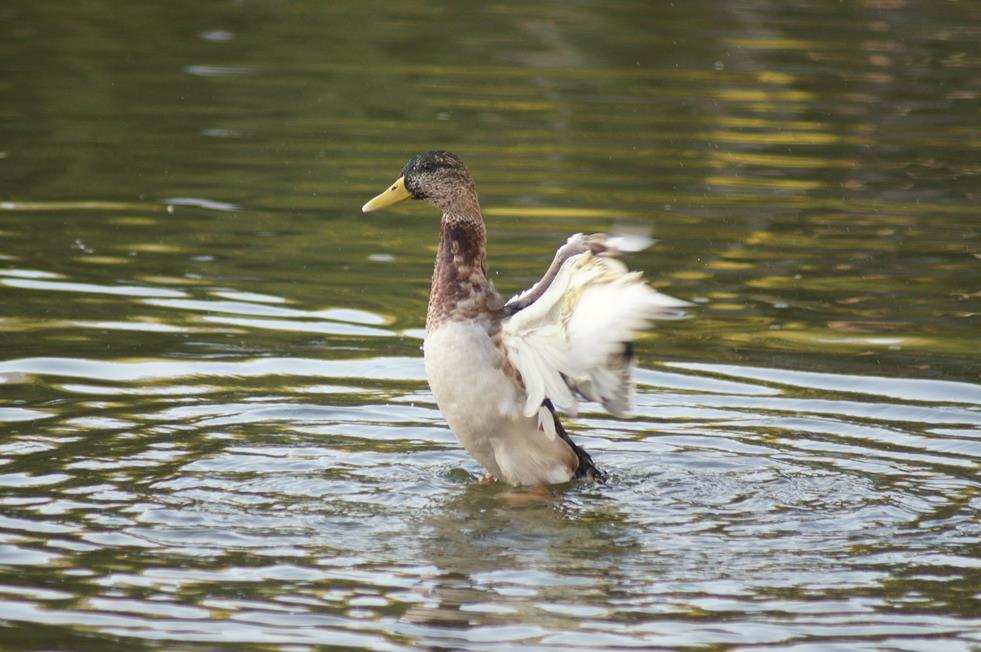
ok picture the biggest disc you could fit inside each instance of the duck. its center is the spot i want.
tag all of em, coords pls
(501, 371)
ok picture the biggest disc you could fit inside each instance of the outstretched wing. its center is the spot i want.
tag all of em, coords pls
(571, 333)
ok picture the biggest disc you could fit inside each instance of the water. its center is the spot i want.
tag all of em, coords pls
(216, 431)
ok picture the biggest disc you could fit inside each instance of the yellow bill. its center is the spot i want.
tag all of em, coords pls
(395, 193)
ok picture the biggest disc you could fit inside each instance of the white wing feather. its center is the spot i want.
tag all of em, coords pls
(573, 338)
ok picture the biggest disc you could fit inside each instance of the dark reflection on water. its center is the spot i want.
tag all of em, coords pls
(214, 424)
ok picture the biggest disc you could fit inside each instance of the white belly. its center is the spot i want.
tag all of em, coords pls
(482, 406)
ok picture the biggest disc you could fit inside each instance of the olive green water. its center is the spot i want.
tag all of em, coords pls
(215, 430)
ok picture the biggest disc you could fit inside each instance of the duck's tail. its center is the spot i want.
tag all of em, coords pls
(587, 468)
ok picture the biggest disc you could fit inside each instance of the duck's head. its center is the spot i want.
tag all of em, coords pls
(438, 177)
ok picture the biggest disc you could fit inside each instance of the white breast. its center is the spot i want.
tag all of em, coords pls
(482, 405)
(476, 398)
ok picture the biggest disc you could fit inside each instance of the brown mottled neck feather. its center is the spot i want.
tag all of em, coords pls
(461, 289)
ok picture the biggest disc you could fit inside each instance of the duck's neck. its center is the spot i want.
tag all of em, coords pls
(460, 287)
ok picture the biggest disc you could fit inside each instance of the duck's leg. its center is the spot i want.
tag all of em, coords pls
(522, 496)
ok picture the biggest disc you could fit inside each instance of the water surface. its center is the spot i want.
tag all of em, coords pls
(215, 430)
